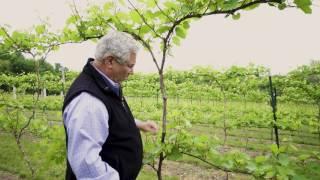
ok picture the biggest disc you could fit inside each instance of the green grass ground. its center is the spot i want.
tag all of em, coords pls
(12, 166)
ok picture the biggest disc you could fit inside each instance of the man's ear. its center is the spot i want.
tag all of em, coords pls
(108, 60)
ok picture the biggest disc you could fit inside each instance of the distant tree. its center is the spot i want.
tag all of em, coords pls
(6, 59)
(19, 65)
(4, 66)
(45, 66)
(58, 67)
(15, 63)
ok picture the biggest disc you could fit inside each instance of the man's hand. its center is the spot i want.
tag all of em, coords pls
(147, 126)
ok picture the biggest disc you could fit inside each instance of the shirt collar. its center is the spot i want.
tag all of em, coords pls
(105, 77)
(115, 87)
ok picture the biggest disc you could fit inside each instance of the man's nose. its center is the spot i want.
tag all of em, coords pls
(131, 71)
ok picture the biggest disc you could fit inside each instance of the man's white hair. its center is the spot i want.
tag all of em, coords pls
(116, 44)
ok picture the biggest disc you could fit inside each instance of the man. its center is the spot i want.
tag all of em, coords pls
(103, 139)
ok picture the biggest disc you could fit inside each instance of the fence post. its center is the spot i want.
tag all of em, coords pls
(44, 92)
(63, 79)
(273, 103)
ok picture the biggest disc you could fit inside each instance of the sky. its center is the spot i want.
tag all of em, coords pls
(279, 40)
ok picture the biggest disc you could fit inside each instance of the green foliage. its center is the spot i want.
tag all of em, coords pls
(236, 16)
(304, 5)
(37, 42)
(236, 83)
(13, 62)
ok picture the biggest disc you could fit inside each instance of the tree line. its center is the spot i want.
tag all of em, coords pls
(15, 63)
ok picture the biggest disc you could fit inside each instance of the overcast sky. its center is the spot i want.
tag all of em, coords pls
(280, 40)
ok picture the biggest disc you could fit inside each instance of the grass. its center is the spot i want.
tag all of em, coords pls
(149, 175)
(12, 164)
(11, 159)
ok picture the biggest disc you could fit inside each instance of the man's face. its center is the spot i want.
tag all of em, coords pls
(122, 71)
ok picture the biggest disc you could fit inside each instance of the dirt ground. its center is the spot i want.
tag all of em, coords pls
(7, 176)
(183, 171)
(191, 172)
